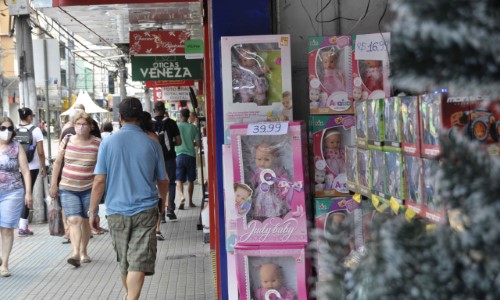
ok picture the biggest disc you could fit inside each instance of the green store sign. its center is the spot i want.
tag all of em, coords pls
(175, 67)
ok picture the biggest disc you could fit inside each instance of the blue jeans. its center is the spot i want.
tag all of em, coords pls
(75, 203)
(170, 166)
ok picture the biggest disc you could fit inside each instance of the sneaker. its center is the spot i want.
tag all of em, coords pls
(26, 232)
(29, 231)
(162, 218)
(159, 236)
(171, 215)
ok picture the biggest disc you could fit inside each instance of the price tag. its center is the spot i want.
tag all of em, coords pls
(394, 205)
(410, 214)
(357, 198)
(373, 46)
(267, 128)
(375, 201)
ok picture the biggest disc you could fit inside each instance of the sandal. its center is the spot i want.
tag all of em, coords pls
(192, 205)
(5, 273)
(67, 241)
(85, 260)
(181, 206)
(74, 261)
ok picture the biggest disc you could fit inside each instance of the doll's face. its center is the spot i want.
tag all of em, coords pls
(287, 102)
(356, 93)
(240, 195)
(319, 176)
(364, 95)
(323, 96)
(333, 141)
(374, 72)
(329, 178)
(314, 94)
(271, 276)
(337, 217)
(247, 60)
(329, 60)
(264, 159)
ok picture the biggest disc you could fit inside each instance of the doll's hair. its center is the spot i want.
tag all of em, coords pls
(330, 51)
(286, 94)
(277, 269)
(331, 133)
(245, 50)
(245, 187)
(269, 148)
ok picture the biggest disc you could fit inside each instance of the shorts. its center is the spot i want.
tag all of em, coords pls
(75, 203)
(134, 241)
(186, 168)
(11, 206)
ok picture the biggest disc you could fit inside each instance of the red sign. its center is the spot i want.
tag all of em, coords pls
(155, 42)
(162, 83)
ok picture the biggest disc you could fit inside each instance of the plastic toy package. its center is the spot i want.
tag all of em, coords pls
(287, 268)
(363, 171)
(430, 122)
(392, 117)
(361, 123)
(331, 134)
(412, 169)
(330, 88)
(350, 162)
(410, 117)
(258, 86)
(269, 185)
(432, 203)
(375, 117)
(394, 175)
(377, 171)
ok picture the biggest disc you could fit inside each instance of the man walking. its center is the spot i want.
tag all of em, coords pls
(129, 175)
(169, 137)
(186, 157)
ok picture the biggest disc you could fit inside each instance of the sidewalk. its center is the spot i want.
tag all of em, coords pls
(40, 271)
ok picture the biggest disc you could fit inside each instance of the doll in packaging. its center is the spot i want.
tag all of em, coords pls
(272, 284)
(331, 76)
(333, 152)
(242, 198)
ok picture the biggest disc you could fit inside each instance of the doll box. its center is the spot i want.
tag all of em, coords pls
(330, 88)
(331, 134)
(286, 264)
(230, 212)
(392, 124)
(410, 121)
(257, 83)
(273, 166)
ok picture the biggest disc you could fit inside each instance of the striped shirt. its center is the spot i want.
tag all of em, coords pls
(79, 163)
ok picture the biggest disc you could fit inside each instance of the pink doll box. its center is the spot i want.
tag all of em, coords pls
(288, 264)
(370, 77)
(330, 88)
(392, 124)
(331, 134)
(230, 211)
(257, 83)
(412, 172)
(273, 166)
(361, 123)
(410, 117)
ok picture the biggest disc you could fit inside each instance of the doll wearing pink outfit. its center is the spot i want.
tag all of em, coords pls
(331, 77)
(271, 280)
(333, 152)
(267, 200)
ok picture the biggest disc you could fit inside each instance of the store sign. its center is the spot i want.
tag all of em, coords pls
(194, 49)
(157, 42)
(175, 93)
(165, 68)
(162, 83)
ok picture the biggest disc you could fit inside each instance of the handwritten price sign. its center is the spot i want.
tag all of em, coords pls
(267, 128)
(373, 46)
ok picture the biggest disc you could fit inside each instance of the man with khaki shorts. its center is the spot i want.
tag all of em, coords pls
(129, 176)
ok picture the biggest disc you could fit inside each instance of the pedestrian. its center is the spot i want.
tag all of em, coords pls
(107, 130)
(186, 157)
(70, 129)
(12, 191)
(36, 164)
(75, 162)
(169, 135)
(130, 176)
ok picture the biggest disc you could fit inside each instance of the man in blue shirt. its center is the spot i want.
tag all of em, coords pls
(129, 175)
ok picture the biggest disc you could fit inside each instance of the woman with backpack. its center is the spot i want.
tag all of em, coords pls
(31, 138)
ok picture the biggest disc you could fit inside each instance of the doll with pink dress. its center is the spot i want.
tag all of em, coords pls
(272, 284)
(333, 152)
(268, 200)
(331, 76)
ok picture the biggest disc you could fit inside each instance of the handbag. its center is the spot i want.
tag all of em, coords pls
(56, 226)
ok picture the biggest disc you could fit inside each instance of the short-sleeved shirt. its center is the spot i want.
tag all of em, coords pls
(10, 176)
(79, 163)
(37, 137)
(169, 127)
(132, 163)
(189, 134)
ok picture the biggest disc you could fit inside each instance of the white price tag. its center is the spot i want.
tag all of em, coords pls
(373, 46)
(267, 128)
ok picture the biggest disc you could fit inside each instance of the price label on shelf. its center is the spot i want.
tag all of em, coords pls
(268, 128)
(373, 46)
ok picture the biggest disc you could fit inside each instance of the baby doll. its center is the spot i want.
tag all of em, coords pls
(372, 77)
(364, 95)
(271, 278)
(319, 178)
(333, 152)
(329, 181)
(242, 195)
(314, 97)
(252, 84)
(323, 100)
(330, 76)
(286, 112)
(267, 199)
(356, 92)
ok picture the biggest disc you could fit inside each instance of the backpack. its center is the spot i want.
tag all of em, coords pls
(25, 138)
(163, 135)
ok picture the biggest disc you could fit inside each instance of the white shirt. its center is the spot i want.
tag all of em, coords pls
(37, 136)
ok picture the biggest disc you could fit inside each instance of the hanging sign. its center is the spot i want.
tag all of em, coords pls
(375, 46)
(157, 42)
(194, 49)
(162, 83)
(165, 68)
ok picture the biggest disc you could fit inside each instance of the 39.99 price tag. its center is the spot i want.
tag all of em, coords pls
(267, 128)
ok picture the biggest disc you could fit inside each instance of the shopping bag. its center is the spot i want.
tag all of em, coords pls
(56, 226)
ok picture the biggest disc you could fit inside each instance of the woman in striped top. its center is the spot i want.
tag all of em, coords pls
(76, 160)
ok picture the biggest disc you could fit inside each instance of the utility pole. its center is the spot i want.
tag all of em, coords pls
(24, 51)
(123, 79)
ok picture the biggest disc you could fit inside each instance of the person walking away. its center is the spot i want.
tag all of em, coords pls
(129, 175)
(186, 157)
(12, 191)
(75, 162)
(32, 136)
(107, 130)
(169, 136)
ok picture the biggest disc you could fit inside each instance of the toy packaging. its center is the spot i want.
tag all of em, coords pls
(392, 123)
(377, 171)
(230, 212)
(430, 123)
(331, 134)
(330, 88)
(270, 169)
(433, 208)
(482, 122)
(394, 186)
(361, 123)
(350, 162)
(410, 117)
(370, 75)
(412, 171)
(257, 82)
(375, 117)
(363, 171)
(258, 266)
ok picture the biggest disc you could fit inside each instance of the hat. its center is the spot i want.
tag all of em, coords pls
(131, 108)
(160, 106)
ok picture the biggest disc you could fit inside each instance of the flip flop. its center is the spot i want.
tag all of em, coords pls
(5, 273)
(67, 241)
(74, 261)
(85, 260)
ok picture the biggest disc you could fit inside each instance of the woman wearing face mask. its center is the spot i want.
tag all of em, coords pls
(76, 160)
(12, 191)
